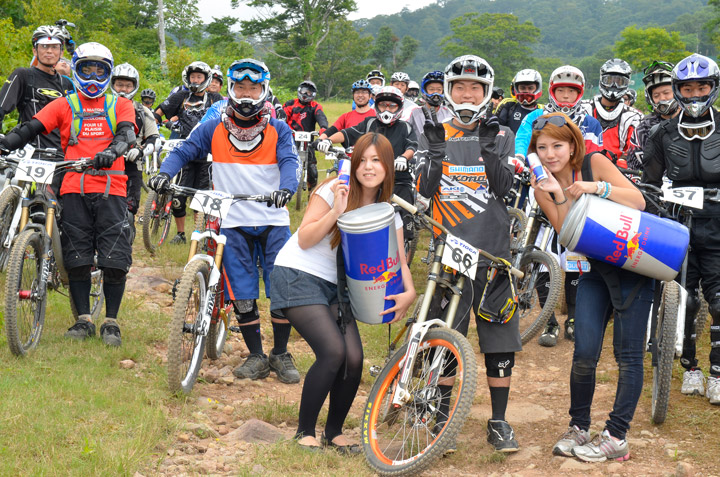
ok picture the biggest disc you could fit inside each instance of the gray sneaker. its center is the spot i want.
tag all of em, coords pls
(572, 438)
(693, 382)
(713, 389)
(601, 448)
(284, 367)
(110, 332)
(256, 366)
(549, 337)
(81, 330)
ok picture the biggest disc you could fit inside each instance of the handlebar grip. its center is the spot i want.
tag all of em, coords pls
(404, 204)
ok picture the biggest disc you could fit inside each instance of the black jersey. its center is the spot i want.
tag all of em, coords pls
(510, 113)
(189, 108)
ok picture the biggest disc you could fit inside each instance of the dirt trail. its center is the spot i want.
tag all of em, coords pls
(215, 439)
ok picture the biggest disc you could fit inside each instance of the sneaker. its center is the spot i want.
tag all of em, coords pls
(110, 332)
(713, 389)
(81, 330)
(549, 337)
(693, 382)
(255, 367)
(179, 239)
(501, 435)
(601, 448)
(570, 329)
(572, 438)
(284, 367)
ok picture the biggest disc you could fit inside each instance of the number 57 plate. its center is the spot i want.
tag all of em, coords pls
(687, 196)
(461, 256)
(212, 202)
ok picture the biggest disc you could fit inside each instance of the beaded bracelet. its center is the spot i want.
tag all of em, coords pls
(606, 192)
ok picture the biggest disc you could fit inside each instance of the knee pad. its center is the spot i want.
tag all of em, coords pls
(693, 304)
(246, 311)
(714, 309)
(277, 314)
(499, 365)
(114, 276)
(79, 274)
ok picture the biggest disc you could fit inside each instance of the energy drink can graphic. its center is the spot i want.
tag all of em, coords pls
(344, 171)
(372, 261)
(625, 237)
(536, 167)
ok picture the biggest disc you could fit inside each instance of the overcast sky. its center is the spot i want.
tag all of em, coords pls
(366, 8)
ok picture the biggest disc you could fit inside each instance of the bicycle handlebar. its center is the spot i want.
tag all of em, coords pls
(250, 197)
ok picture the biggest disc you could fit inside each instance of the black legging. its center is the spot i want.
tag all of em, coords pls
(337, 369)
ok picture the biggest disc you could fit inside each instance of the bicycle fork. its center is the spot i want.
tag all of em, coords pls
(202, 324)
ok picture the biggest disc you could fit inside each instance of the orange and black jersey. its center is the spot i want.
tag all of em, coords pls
(468, 185)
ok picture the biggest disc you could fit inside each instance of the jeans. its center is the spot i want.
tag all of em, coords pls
(594, 308)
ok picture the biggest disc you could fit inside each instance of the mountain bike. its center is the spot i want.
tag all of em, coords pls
(303, 139)
(405, 427)
(35, 263)
(200, 313)
(157, 210)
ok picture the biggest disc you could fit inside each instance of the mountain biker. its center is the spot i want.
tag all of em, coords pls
(31, 89)
(526, 88)
(125, 82)
(413, 92)
(216, 83)
(630, 97)
(687, 148)
(361, 91)
(659, 96)
(617, 119)
(497, 97)
(401, 81)
(94, 202)
(603, 291)
(303, 114)
(431, 88)
(388, 108)
(189, 107)
(376, 78)
(147, 96)
(252, 154)
(469, 153)
(305, 284)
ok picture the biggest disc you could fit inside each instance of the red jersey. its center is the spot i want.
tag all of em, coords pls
(352, 118)
(94, 136)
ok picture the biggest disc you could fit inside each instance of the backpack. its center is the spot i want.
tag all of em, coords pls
(78, 115)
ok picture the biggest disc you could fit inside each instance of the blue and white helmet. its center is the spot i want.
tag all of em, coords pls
(434, 99)
(255, 71)
(695, 68)
(472, 68)
(92, 66)
(362, 84)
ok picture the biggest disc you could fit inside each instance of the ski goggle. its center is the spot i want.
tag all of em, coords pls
(194, 105)
(615, 80)
(658, 65)
(543, 121)
(242, 71)
(88, 70)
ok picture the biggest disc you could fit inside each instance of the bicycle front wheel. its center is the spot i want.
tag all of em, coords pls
(185, 344)
(518, 222)
(217, 333)
(663, 361)
(9, 200)
(406, 440)
(157, 219)
(541, 270)
(25, 299)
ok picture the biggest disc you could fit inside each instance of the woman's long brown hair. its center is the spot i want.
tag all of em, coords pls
(385, 153)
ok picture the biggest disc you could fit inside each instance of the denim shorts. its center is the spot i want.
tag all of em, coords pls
(293, 288)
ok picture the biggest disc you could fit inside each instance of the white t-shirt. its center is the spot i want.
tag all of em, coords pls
(320, 260)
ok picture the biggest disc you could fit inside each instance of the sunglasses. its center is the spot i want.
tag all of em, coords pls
(542, 121)
(240, 72)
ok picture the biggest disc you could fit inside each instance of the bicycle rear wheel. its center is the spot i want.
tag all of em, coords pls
(185, 345)
(157, 218)
(9, 200)
(406, 440)
(665, 342)
(532, 315)
(24, 299)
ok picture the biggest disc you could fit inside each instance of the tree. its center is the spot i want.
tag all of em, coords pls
(183, 21)
(339, 61)
(295, 27)
(392, 52)
(499, 38)
(713, 24)
(640, 47)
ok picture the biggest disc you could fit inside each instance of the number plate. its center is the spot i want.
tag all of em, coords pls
(576, 263)
(461, 256)
(35, 170)
(212, 202)
(303, 136)
(172, 144)
(20, 154)
(688, 196)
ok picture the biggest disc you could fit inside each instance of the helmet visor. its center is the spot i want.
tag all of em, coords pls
(471, 68)
(97, 70)
(617, 81)
(242, 71)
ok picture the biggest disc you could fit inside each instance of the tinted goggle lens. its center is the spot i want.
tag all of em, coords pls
(241, 73)
(93, 69)
(615, 80)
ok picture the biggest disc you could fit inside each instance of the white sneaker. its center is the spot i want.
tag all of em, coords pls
(713, 389)
(693, 382)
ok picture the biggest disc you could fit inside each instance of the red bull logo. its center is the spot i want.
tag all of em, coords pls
(633, 244)
(382, 269)
(385, 277)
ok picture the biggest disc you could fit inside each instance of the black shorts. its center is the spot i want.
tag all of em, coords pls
(90, 225)
(195, 174)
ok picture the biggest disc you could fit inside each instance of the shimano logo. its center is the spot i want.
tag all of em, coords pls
(466, 169)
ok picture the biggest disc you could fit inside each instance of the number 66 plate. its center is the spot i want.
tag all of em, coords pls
(212, 202)
(35, 170)
(461, 256)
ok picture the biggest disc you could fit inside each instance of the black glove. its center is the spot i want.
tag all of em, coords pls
(435, 134)
(159, 182)
(489, 127)
(4, 146)
(104, 159)
(280, 198)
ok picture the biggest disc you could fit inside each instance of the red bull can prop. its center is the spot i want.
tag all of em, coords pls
(344, 171)
(372, 261)
(625, 237)
(536, 167)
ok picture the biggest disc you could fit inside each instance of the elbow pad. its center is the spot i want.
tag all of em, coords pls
(124, 138)
(23, 134)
